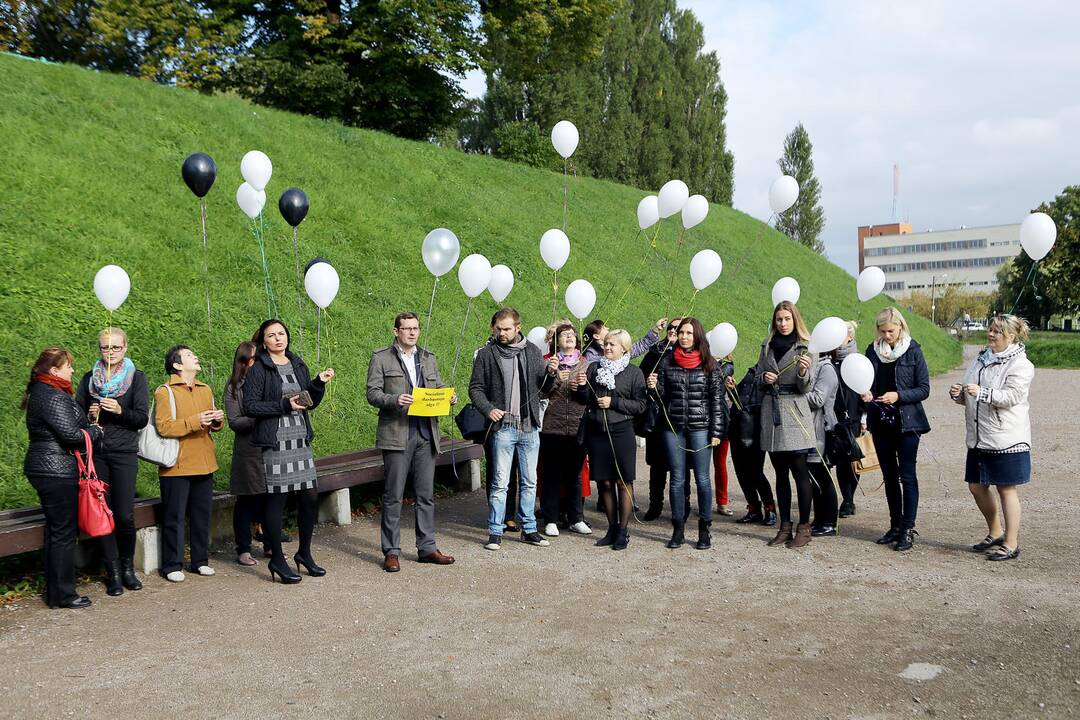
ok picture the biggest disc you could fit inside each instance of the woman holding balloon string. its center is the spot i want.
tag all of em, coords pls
(116, 396)
(786, 422)
(596, 332)
(897, 420)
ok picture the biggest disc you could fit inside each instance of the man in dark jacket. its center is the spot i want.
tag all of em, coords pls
(507, 377)
(409, 443)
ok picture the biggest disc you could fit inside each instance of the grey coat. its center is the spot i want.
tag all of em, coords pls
(246, 474)
(488, 392)
(822, 397)
(386, 380)
(786, 419)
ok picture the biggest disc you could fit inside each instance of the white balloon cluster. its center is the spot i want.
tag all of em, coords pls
(256, 168)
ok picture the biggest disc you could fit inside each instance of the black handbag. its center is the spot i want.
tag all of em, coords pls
(742, 427)
(840, 444)
(472, 424)
(645, 423)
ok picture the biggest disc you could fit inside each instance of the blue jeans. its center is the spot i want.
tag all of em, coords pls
(699, 461)
(505, 445)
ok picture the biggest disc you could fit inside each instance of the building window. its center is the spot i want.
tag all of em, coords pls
(928, 247)
(945, 264)
(894, 286)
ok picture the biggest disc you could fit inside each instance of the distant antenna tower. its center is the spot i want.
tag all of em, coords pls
(895, 192)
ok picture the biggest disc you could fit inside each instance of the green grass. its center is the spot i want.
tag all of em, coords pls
(1044, 348)
(92, 176)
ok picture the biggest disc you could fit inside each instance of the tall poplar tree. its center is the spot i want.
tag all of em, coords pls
(803, 221)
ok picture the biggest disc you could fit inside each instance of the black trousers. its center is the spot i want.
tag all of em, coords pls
(847, 480)
(60, 502)
(656, 457)
(248, 509)
(562, 458)
(749, 465)
(187, 497)
(119, 471)
(898, 453)
(825, 509)
(793, 464)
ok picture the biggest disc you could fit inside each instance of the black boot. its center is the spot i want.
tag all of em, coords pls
(906, 541)
(653, 512)
(127, 574)
(609, 537)
(113, 586)
(890, 537)
(704, 540)
(677, 538)
(622, 539)
(752, 515)
(769, 517)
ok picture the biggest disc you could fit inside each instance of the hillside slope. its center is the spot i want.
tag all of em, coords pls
(92, 177)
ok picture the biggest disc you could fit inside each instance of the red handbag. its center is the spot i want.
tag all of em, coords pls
(95, 515)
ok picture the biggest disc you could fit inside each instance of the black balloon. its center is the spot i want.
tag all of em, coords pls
(293, 206)
(315, 261)
(199, 173)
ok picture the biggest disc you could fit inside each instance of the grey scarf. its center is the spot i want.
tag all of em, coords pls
(511, 358)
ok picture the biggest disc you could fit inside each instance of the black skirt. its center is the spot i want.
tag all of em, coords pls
(605, 464)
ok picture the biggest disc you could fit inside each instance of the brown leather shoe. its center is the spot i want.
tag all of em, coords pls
(436, 558)
(802, 536)
(783, 535)
(391, 563)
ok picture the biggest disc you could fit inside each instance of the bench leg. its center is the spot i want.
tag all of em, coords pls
(148, 549)
(469, 476)
(335, 507)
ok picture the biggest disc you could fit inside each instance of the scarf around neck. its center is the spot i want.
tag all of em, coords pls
(687, 360)
(780, 344)
(114, 385)
(605, 374)
(54, 381)
(888, 354)
(568, 360)
(511, 357)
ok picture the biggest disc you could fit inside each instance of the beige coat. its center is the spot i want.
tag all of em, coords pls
(198, 455)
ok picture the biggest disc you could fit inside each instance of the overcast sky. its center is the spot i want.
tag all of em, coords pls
(978, 102)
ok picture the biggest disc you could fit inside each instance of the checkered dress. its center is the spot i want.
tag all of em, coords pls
(290, 466)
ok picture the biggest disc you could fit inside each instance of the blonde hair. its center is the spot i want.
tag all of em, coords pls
(1012, 325)
(800, 327)
(852, 326)
(622, 337)
(113, 331)
(892, 315)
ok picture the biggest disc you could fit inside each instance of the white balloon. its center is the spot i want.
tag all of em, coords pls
(858, 373)
(783, 193)
(321, 282)
(250, 200)
(1037, 235)
(705, 268)
(564, 136)
(538, 337)
(474, 274)
(672, 197)
(256, 169)
(723, 339)
(786, 288)
(554, 248)
(828, 335)
(440, 251)
(112, 285)
(648, 212)
(871, 282)
(580, 298)
(695, 211)
(501, 283)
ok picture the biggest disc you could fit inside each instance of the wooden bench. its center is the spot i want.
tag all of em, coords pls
(22, 529)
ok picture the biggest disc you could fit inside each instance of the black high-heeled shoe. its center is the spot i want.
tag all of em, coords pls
(283, 571)
(312, 569)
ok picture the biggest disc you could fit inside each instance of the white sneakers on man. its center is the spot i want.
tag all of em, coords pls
(205, 570)
(581, 528)
(175, 576)
(551, 530)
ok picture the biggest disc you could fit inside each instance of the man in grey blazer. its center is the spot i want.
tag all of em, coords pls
(408, 443)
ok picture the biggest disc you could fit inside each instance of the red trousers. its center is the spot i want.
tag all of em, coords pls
(719, 458)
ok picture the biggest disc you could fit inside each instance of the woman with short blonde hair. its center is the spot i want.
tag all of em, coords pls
(995, 399)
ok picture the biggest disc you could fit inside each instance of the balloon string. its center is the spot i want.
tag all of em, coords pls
(431, 305)
(564, 196)
(108, 324)
(1024, 286)
(271, 303)
(461, 338)
(330, 357)
(299, 299)
(206, 266)
(749, 250)
(675, 264)
(318, 336)
(555, 295)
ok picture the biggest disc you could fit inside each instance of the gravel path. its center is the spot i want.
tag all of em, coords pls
(842, 629)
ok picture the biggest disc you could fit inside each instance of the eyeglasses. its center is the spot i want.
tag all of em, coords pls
(110, 348)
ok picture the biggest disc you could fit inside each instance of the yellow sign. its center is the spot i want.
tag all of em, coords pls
(431, 402)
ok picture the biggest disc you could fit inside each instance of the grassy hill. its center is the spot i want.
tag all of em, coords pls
(92, 176)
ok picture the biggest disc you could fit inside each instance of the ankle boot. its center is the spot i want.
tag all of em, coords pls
(127, 574)
(622, 540)
(113, 586)
(704, 539)
(890, 537)
(609, 536)
(802, 536)
(906, 540)
(653, 512)
(769, 516)
(677, 537)
(783, 535)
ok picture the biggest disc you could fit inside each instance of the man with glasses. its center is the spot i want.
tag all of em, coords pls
(409, 443)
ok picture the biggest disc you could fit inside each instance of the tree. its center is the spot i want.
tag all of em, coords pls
(1052, 286)
(805, 220)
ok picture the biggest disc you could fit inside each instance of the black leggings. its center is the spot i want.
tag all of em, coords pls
(847, 480)
(825, 510)
(795, 464)
(118, 470)
(307, 511)
(749, 465)
(248, 509)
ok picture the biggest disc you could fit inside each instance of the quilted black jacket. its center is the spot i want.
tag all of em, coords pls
(54, 422)
(693, 399)
(263, 398)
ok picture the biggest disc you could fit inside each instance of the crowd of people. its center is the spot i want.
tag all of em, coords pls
(553, 423)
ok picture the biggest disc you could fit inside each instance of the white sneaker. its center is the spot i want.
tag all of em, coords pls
(205, 570)
(551, 530)
(494, 542)
(175, 576)
(581, 528)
